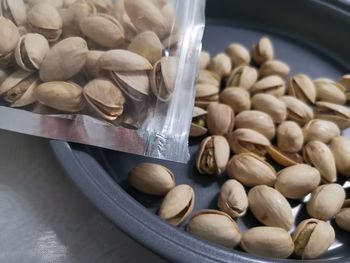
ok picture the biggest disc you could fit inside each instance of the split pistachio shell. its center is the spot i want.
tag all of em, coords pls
(297, 181)
(274, 67)
(343, 217)
(122, 16)
(312, 238)
(243, 76)
(326, 201)
(153, 179)
(336, 113)
(320, 130)
(59, 95)
(283, 158)
(221, 65)
(215, 226)
(271, 105)
(330, 91)
(91, 69)
(251, 170)
(297, 110)
(208, 77)
(270, 207)
(340, 147)
(258, 121)
(239, 54)
(103, 6)
(237, 98)
(273, 85)
(345, 81)
(290, 137)
(319, 155)
(220, 118)
(213, 155)
(263, 51)
(177, 204)
(303, 88)
(204, 60)
(14, 10)
(233, 199)
(198, 125)
(8, 31)
(206, 94)
(55, 3)
(4, 73)
(268, 242)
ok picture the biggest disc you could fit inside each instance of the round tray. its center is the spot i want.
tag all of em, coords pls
(311, 36)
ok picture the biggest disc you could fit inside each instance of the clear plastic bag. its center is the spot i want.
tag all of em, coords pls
(114, 75)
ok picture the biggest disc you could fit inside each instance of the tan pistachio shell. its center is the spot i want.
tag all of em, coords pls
(342, 218)
(271, 105)
(336, 113)
(283, 158)
(273, 85)
(239, 54)
(330, 91)
(4, 73)
(198, 125)
(274, 67)
(205, 94)
(204, 59)
(345, 81)
(340, 147)
(58, 4)
(290, 137)
(91, 69)
(320, 130)
(68, 3)
(121, 15)
(220, 119)
(221, 65)
(297, 110)
(263, 51)
(14, 10)
(208, 77)
(8, 31)
(243, 76)
(103, 6)
(237, 98)
(302, 87)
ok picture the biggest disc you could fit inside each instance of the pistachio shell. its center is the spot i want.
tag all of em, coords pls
(263, 51)
(343, 217)
(283, 158)
(330, 91)
(274, 67)
(297, 110)
(91, 69)
(68, 3)
(121, 15)
(12, 80)
(345, 81)
(204, 60)
(290, 137)
(271, 105)
(221, 65)
(338, 114)
(14, 10)
(198, 123)
(320, 130)
(55, 3)
(302, 87)
(239, 54)
(208, 77)
(237, 98)
(205, 94)
(273, 85)
(220, 119)
(8, 31)
(243, 76)
(340, 147)
(4, 73)
(103, 6)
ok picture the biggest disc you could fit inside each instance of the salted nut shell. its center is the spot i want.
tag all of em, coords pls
(326, 201)
(263, 51)
(319, 155)
(336, 113)
(204, 60)
(270, 207)
(4, 73)
(312, 238)
(251, 170)
(320, 130)
(220, 118)
(91, 69)
(239, 54)
(271, 105)
(153, 179)
(343, 217)
(103, 6)
(213, 155)
(247, 140)
(206, 94)
(237, 98)
(290, 137)
(345, 81)
(283, 158)
(221, 65)
(14, 10)
(121, 15)
(303, 88)
(177, 204)
(233, 199)
(208, 77)
(55, 3)
(274, 67)
(297, 181)
(297, 110)
(268, 241)
(330, 91)
(198, 125)
(8, 31)
(243, 76)
(273, 85)
(340, 147)
(215, 226)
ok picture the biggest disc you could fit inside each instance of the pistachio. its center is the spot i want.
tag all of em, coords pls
(14, 10)
(91, 69)
(297, 110)
(8, 31)
(320, 130)
(268, 242)
(171, 24)
(153, 179)
(64, 60)
(221, 65)
(302, 87)
(103, 6)
(273, 85)
(213, 155)
(336, 113)
(283, 158)
(208, 77)
(319, 155)
(4, 73)
(215, 226)
(239, 54)
(243, 76)
(237, 98)
(270, 207)
(247, 140)
(59, 95)
(121, 15)
(177, 204)
(326, 201)
(345, 81)
(220, 119)
(297, 181)
(290, 137)
(233, 199)
(206, 94)
(204, 60)
(68, 3)
(340, 147)
(251, 170)
(330, 91)
(58, 4)
(271, 105)
(342, 218)
(263, 51)
(274, 67)
(312, 238)
(198, 125)
(258, 121)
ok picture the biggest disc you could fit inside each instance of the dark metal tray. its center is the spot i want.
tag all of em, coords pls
(312, 36)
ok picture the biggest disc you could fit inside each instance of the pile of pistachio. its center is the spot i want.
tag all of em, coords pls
(253, 110)
(115, 51)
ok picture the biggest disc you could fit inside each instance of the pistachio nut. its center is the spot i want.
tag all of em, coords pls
(251, 170)
(198, 125)
(8, 31)
(263, 51)
(319, 155)
(283, 158)
(121, 15)
(208, 77)
(160, 3)
(215, 226)
(320, 130)
(297, 181)
(336, 113)
(91, 69)
(270, 207)
(342, 218)
(68, 3)
(103, 6)
(312, 238)
(233, 199)
(340, 147)
(4, 73)
(274, 67)
(58, 4)
(330, 91)
(213, 155)
(268, 242)
(44, 19)
(220, 118)
(273, 85)
(347, 95)
(177, 204)
(59, 95)
(204, 60)
(243, 76)
(14, 10)
(30, 51)
(163, 78)
(345, 81)
(290, 137)
(271, 105)
(258, 121)
(221, 65)
(297, 110)
(206, 94)
(105, 98)
(64, 60)
(303, 88)
(247, 140)
(326, 201)
(151, 178)
(237, 98)
(239, 54)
